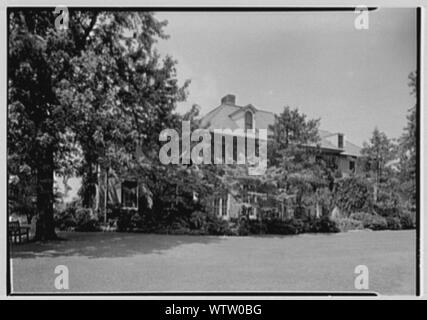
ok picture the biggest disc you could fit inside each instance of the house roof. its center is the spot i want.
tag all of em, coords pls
(224, 117)
(219, 118)
(349, 149)
(244, 109)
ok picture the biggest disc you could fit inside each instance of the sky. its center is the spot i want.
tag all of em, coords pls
(353, 80)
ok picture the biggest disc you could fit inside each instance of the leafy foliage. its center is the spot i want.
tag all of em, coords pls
(370, 221)
(75, 217)
(407, 150)
(94, 91)
(94, 99)
(353, 194)
(346, 224)
(378, 151)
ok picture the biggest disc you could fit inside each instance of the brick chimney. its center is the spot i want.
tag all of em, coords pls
(341, 141)
(229, 99)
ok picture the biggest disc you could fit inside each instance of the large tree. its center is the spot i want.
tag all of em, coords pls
(408, 147)
(96, 89)
(377, 154)
(378, 151)
(293, 154)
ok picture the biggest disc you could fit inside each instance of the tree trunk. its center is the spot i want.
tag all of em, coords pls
(45, 225)
(90, 182)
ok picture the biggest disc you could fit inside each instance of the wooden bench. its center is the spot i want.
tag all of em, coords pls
(16, 231)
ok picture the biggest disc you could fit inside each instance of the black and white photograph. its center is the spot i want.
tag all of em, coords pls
(236, 150)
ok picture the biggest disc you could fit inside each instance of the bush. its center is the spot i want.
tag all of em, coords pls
(385, 210)
(297, 226)
(128, 220)
(407, 220)
(74, 217)
(114, 211)
(377, 223)
(370, 221)
(198, 220)
(393, 223)
(217, 226)
(196, 223)
(353, 194)
(257, 227)
(346, 224)
(86, 221)
(294, 226)
(360, 216)
(243, 226)
(323, 224)
(389, 202)
(275, 226)
(66, 219)
(286, 227)
(178, 228)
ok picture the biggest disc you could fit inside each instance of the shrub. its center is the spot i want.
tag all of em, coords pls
(385, 210)
(123, 222)
(275, 226)
(243, 226)
(86, 221)
(346, 224)
(353, 194)
(286, 227)
(74, 217)
(361, 216)
(114, 211)
(217, 226)
(393, 223)
(66, 219)
(370, 221)
(128, 220)
(323, 224)
(178, 228)
(198, 220)
(377, 223)
(294, 226)
(389, 202)
(407, 220)
(257, 227)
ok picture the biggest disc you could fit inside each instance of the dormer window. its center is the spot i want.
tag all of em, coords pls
(248, 120)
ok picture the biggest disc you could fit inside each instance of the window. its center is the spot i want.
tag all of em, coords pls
(220, 205)
(352, 165)
(216, 206)
(224, 205)
(250, 200)
(130, 194)
(248, 120)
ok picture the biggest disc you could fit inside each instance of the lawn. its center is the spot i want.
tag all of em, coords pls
(120, 262)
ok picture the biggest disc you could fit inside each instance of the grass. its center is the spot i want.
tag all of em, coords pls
(120, 262)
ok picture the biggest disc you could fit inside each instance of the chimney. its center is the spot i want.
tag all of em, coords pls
(229, 99)
(340, 140)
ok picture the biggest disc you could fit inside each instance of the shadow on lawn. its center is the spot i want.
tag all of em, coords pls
(105, 245)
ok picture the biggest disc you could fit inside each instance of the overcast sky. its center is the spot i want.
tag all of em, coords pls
(318, 62)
